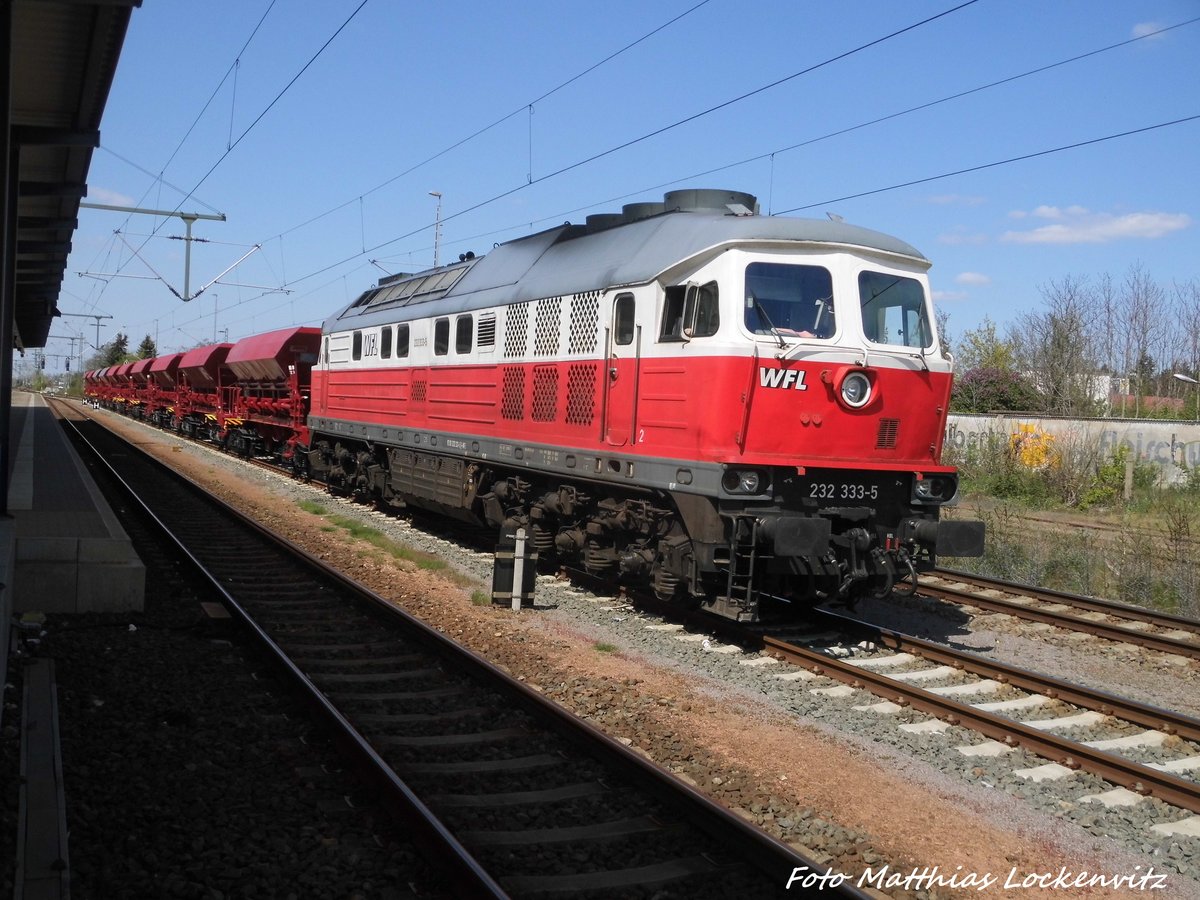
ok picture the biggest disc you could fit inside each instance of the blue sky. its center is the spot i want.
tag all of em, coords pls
(326, 158)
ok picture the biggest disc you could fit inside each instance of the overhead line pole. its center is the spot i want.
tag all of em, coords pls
(188, 219)
(95, 316)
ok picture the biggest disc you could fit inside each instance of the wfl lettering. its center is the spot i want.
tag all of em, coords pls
(782, 378)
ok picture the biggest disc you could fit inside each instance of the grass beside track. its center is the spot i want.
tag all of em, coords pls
(356, 531)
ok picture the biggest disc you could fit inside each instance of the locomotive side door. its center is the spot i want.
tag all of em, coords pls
(321, 402)
(622, 363)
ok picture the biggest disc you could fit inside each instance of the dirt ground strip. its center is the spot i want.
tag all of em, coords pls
(744, 753)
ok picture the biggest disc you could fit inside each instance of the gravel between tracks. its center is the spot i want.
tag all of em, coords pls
(846, 786)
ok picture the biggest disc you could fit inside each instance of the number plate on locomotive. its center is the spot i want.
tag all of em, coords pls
(837, 490)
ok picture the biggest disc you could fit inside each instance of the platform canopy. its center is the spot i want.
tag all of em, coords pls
(63, 57)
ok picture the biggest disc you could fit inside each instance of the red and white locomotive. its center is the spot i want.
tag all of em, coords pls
(740, 411)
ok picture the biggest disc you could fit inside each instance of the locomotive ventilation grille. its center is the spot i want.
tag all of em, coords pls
(487, 330)
(888, 430)
(420, 389)
(581, 393)
(545, 393)
(585, 322)
(546, 326)
(512, 402)
(516, 331)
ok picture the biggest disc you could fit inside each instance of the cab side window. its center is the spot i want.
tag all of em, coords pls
(463, 332)
(690, 311)
(623, 329)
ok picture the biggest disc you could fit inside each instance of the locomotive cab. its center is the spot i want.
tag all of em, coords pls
(829, 442)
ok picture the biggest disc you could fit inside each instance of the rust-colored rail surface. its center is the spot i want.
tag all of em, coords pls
(1165, 643)
(1123, 772)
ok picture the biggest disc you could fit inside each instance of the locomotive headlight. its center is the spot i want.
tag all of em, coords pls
(742, 481)
(935, 489)
(856, 390)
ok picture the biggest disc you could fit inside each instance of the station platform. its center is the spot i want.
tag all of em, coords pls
(62, 550)
(70, 553)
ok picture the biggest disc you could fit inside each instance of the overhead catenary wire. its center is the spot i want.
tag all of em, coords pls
(627, 144)
(262, 114)
(943, 175)
(807, 142)
(992, 165)
(656, 132)
(546, 94)
(159, 179)
(525, 107)
(958, 95)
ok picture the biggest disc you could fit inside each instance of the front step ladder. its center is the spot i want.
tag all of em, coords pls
(743, 553)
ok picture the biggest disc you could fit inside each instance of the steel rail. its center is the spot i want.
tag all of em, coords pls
(760, 848)
(1092, 604)
(1063, 620)
(1123, 772)
(463, 871)
(1147, 716)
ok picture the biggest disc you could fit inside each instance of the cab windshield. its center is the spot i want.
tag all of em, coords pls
(894, 310)
(789, 300)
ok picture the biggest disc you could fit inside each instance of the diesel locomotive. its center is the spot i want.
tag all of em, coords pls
(737, 411)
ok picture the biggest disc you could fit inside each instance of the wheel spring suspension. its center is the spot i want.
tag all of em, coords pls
(542, 538)
(666, 583)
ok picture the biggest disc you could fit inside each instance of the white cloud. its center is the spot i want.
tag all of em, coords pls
(972, 278)
(959, 237)
(111, 198)
(1077, 225)
(1055, 213)
(949, 296)
(1141, 29)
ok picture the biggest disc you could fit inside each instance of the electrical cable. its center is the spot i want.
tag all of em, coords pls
(498, 122)
(651, 134)
(159, 179)
(992, 165)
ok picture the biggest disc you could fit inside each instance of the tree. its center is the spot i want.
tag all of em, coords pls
(942, 318)
(981, 348)
(147, 349)
(988, 389)
(1058, 349)
(1186, 303)
(116, 350)
(1145, 324)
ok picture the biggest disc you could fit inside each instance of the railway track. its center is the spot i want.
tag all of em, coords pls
(1013, 708)
(516, 795)
(1008, 705)
(1102, 618)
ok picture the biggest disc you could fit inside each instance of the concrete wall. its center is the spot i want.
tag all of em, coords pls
(1167, 445)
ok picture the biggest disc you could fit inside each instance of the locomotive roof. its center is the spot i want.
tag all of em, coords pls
(568, 260)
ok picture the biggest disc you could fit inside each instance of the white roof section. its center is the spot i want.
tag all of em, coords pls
(571, 260)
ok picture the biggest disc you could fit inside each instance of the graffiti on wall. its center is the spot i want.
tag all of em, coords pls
(1169, 445)
(1032, 446)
